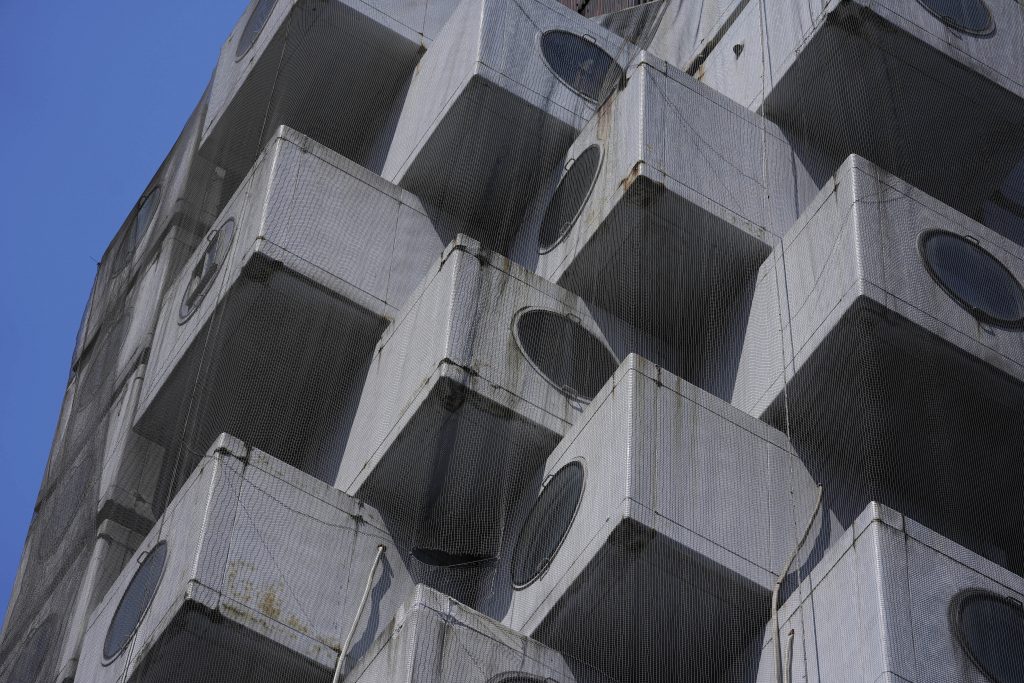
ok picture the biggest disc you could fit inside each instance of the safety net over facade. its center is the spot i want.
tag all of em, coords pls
(504, 341)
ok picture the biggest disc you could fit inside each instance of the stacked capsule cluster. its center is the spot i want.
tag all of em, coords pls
(500, 341)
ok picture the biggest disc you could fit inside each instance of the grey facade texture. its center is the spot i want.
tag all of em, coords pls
(502, 341)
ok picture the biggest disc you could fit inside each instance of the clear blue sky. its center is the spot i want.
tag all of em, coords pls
(92, 96)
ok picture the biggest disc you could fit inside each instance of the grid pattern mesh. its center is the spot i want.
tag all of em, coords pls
(372, 309)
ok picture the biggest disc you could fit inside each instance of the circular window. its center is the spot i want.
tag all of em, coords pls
(969, 16)
(579, 63)
(145, 214)
(991, 629)
(974, 278)
(33, 653)
(257, 20)
(135, 601)
(565, 352)
(142, 218)
(206, 269)
(569, 198)
(547, 525)
(518, 677)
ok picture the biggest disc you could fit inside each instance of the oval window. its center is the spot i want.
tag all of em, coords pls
(142, 218)
(579, 63)
(32, 654)
(547, 525)
(518, 677)
(135, 601)
(991, 630)
(257, 20)
(565, 352)
(569, 198)
(206, 269)
(974, 278)
(969, 16)
(145, 214)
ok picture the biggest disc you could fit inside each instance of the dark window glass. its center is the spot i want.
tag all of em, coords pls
(206, 269)
(991, 630)
(579, 63)
(971, 16)
(30, 657)
(257, 20)
(974, 278)
(145, 212)
(135, 601)
(547, 525)
(565, 352)
(569, 198)
(518, 677)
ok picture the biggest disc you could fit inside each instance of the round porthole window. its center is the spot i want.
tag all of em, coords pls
(579, 63)
(135, 601)
(974, 278)
(991, 629)
(564, 352)
(547, 525)
(206, 269)
(142, 218)
(33, 653)
(254, 26)
(570, 196)
(968, 16)
(145, 214)
(518, 677)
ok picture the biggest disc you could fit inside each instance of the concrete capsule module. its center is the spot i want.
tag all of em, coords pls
(555, 341)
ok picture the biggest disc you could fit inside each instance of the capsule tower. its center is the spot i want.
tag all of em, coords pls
(510, 341)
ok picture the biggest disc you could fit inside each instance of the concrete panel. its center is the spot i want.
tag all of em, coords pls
(687, 512)
(312, 247)
(113, 547)
(691, 193)
(31, 645)
(330, 70)
(884, 378)
(689, 28)
(487, 116)
(469, 391)
(162, 207)
(885, 604)
(129, 475)
(435, 638)
(890, 81)
(261, 579)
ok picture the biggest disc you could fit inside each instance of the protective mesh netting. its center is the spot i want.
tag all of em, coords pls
(508, 341)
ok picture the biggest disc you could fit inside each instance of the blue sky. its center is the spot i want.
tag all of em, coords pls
(93, 96)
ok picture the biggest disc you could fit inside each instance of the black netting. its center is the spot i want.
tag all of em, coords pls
(974, 277)
(579, 63)
(570, 196)
(547, 524)
(972, 16)
(135, 600)
(990, 627)
(514, 341)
